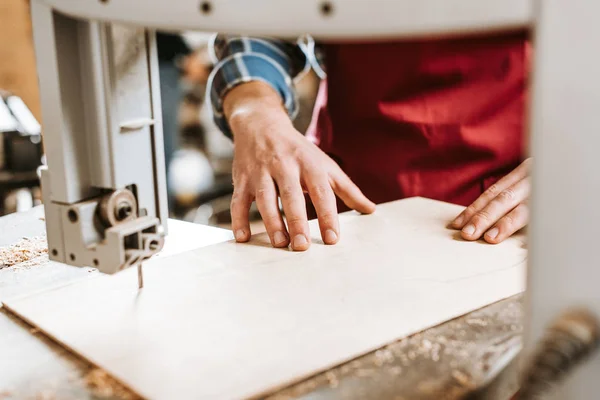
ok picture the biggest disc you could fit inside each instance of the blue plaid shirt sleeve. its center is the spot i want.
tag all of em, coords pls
(243, 59)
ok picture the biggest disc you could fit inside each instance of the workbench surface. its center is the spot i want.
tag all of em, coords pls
(470, 357)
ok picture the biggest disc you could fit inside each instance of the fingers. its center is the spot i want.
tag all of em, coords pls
(268, 206)
(294, 207)
(512, 222)
(351, 194)
(509, 180)
(499, 206)
(324, 201)
(240, 214)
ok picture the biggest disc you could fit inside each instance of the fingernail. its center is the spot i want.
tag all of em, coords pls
(330, 237)
(492, 233)
(458, 221)
(469, 229)
(240, 235)
(279, 237)
(299, 241)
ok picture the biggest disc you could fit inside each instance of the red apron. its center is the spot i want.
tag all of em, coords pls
(438, 119)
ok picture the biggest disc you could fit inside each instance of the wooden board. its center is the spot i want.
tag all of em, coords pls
(23, 280)
(240, 320)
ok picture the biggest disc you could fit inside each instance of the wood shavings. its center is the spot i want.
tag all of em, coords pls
(383, 356)
(476, 321)
(28, 252)
(104, 386)
(46, 395)
(459, 364)
(364, 373)
(462, 378)
(332, 379)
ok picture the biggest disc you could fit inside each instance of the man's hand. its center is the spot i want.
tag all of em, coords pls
(500, 211)
(271, 160)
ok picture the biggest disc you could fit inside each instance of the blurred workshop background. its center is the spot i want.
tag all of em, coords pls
(198, 156)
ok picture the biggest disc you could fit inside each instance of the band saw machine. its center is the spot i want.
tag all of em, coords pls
(104, 186)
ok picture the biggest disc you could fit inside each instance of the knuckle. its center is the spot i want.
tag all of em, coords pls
(470, 211)
(238, 200)
(506, 223)
(239, 193)
(236, 207)
(507, 195)
(281, 158)
(276, 162)
(319, 192)
(481, 216)
(327, 216)
(493, 190)
(295, 219)
(235, 200)
(271, 220)
(239, 180)
(262, 194)
(287, 191)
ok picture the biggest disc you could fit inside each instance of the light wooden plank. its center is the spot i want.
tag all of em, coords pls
(42, 274)
(240, 320)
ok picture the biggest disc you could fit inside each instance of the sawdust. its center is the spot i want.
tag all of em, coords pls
(26, 253)
(332, 379)
(441, 363)
(383, 356)
(463, 379)
(46, 395)
(104, 386)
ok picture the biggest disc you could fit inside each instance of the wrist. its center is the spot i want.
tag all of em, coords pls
(253, 103)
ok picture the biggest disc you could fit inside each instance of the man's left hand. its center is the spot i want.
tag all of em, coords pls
(500, 211)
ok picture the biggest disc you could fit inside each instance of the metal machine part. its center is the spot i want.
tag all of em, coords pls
(104, 189)
(117, 207)
(562, 270)
(571, 339)
(333, 19)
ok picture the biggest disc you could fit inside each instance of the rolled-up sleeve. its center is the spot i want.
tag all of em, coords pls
(241, 59)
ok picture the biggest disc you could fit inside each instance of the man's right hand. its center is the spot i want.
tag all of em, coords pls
(273, 159)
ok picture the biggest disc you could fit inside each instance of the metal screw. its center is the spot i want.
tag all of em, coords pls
(206, 7)
(72, 214)
(326, 8)
(123, 211)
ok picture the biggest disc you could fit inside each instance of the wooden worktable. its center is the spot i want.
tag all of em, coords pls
(470, 357)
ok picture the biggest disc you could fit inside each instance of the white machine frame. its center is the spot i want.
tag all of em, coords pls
(103, 141)
(97, 147)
